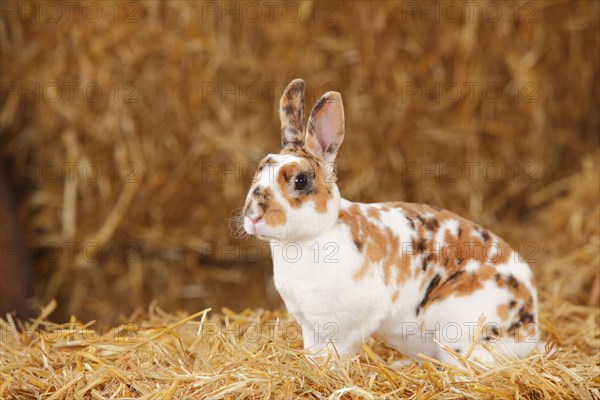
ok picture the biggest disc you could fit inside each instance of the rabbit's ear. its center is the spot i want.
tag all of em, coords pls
(325, 128)
(291, 113)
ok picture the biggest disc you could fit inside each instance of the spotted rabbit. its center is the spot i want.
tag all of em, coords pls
(414, 275)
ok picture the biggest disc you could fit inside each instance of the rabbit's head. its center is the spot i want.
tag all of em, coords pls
(293, 195)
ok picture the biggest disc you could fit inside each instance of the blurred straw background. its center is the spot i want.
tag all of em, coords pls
(130, 131)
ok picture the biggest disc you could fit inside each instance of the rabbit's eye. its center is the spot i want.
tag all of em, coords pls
(301, 182)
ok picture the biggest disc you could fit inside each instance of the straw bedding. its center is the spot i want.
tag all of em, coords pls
(178, 111)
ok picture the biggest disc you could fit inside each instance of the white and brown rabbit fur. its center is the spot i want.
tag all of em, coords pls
(414, 275)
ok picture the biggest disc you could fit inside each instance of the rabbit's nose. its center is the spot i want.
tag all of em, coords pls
(255, 219)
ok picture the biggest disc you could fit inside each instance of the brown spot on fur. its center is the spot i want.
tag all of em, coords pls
(263, 197)
(376, 250)
(394, 259)
(275, 216)
(517, 289)
(462, 246)
(521, 296)
(362, 271)
(433, 284)
(425, 260)
(455, 275)
(486, 271)
(512, 281)
(273, 212)
(460, 283)
(464, 284)
(266, 161)
(352, 219)
(261, 165)
(503, 312)
(358, 244)
(524, 321)
(373, 212)
(426, 279)
(379, 241)
(432, 224)
(320, 190)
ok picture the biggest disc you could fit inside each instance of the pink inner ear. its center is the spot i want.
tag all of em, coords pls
(327, 126)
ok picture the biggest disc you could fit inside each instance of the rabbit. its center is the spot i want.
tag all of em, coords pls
(416, 276)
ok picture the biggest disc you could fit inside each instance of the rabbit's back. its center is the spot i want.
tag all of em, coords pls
(441, 268)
